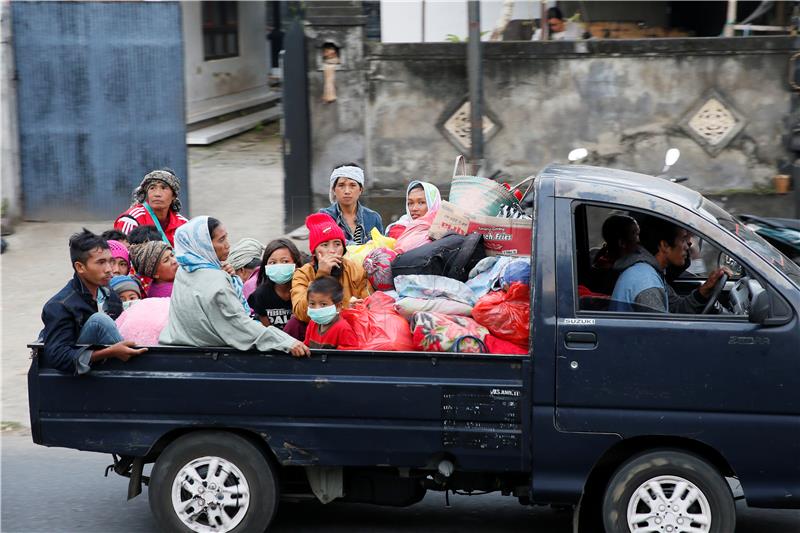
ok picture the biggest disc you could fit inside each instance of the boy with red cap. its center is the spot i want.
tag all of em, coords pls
(327, 243)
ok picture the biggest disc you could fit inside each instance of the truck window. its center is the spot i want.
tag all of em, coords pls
(608, 241)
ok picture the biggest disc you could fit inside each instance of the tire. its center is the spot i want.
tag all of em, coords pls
(668, 470)
(182, 478)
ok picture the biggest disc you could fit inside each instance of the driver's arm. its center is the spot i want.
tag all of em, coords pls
(692, 304)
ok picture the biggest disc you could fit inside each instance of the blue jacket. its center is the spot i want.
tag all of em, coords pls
(641, 272)
(64, 315)
(365, 217)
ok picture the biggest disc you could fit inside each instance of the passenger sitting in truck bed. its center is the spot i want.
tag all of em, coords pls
(327, 329)
(326, 241)
(272, 299)
(642, 286)
(208, 307)
(83, 312)
(356, 220)
(421, 197)
(155, 260)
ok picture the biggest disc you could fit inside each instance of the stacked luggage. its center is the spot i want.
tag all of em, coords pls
(457, 279)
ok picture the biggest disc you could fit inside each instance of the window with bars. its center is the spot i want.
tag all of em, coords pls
(220, 30)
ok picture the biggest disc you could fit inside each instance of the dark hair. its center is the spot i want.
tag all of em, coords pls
(554, 13)
(82, 244)
(213, 224)
(253, 264)
(114, 235)
(656, 230)
(142, 234)
(273, 247)
(417, 186)
(328, 286)
(615, 228)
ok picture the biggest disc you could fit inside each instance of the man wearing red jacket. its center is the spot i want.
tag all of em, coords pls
(156, 203)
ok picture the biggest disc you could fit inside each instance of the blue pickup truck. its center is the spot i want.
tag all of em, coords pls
(636, 420)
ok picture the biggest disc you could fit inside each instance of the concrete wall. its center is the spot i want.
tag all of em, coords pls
(624, 100)
(219, 77)
(9, 135)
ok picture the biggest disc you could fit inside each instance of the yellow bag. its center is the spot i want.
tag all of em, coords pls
(357, 252)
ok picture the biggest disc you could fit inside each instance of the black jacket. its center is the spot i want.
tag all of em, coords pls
(64, 315)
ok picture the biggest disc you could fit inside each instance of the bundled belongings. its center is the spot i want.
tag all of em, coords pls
(142, 322)
(502, 236)
(498, 272)
(378, 266)
(436, 332)
(377, 325)
(359, 252)
(415, 233)
(433, 293)
(452, 256)
(506, 314)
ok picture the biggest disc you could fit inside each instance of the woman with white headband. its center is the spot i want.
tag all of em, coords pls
(357, 221)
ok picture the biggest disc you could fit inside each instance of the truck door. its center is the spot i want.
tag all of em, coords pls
(716, 378)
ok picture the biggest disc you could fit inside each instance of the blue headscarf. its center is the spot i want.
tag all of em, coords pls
(194, 250)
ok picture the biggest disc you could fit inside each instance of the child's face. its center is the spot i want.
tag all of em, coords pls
(333, 248)
(128, 296)
(318, 300)
(119, 266)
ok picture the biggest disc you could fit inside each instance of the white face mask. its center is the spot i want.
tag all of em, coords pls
(127, 304)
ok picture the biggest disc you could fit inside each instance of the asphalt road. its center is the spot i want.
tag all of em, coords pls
(58, 490)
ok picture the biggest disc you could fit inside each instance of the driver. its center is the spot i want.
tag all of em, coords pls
(642, 286)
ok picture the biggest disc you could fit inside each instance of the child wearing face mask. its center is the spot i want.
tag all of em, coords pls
(327, 329)
(327, 244)
(271, 300)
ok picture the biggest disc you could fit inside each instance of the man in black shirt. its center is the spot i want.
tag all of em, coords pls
(83, 312)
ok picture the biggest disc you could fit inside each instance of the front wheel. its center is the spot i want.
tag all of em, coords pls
(213, 481)
(668, 492)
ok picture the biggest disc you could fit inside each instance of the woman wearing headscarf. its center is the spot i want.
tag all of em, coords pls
(245, 258)
(155, 261)
(155, 202)
(208, 306)
(421, 198)
(356, 221)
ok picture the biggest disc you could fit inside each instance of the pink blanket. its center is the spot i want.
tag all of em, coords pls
(143, 321)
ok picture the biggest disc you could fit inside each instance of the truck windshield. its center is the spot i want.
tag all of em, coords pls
(752, 239)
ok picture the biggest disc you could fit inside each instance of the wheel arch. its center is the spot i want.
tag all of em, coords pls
(259, 440)
(594, 488)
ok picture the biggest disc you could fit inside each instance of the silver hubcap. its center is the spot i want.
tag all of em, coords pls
(210, 494)
(669, 504)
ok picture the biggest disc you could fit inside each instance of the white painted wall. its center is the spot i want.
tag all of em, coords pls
(220, 77)
(401, 20)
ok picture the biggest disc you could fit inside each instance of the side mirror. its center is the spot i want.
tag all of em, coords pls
(759, 303)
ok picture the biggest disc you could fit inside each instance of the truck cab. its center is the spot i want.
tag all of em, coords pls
(635, 419)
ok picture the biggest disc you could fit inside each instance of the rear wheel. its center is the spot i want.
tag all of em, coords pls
(213, 482)
(668, 492)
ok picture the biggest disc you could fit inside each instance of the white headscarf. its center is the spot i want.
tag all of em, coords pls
(353, 173)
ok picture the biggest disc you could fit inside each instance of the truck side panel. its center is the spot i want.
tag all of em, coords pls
(336, 408)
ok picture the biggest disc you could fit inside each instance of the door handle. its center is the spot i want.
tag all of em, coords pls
(580, 340)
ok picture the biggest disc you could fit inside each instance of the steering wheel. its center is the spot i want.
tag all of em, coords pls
(715, 292)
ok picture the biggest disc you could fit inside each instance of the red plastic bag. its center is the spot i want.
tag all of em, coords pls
(496, 345)
(506, 314)
(378, 326)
